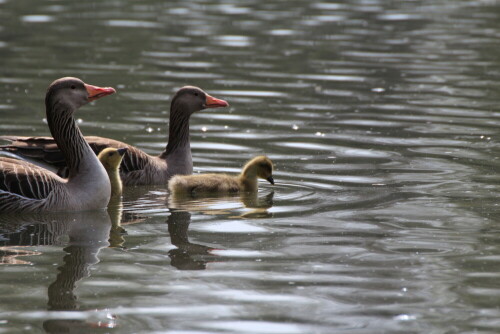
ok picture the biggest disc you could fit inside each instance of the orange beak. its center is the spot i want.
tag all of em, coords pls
(212, 102)
(98, 92)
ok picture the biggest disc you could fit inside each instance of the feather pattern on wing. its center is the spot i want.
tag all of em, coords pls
(26, 179)
(25, 186)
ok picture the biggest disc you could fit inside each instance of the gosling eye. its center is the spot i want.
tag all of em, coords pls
(110, 154)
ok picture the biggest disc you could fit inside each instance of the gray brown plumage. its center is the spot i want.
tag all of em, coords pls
(28, 187)
(258, 167)
(137, 167)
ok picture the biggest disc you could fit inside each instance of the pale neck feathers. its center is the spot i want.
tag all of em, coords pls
(112, 166)
(248, 177)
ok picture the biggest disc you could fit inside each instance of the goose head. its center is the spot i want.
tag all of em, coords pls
(262, 167)
(111, 157)
(74, 93)
(191, 99)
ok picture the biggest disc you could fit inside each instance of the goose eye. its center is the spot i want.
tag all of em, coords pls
(73, 86)
(196, 94)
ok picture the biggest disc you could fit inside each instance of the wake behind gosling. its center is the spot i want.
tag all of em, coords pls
(246, 181)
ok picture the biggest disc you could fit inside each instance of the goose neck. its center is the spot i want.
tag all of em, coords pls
(178, 133)
(68, 136)
(248, 179)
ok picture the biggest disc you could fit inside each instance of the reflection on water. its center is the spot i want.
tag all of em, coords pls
(187, 255)
(118, 232)
(380, 116)
(83, 234)
(193, 256)
(252, 205)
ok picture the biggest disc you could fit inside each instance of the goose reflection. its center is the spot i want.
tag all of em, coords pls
(194, 256)
(187, 255)
(18, 232)
(83, 233)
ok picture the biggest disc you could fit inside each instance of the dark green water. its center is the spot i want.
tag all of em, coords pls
(382, 119)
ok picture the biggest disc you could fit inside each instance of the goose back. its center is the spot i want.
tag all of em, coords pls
(201, 183)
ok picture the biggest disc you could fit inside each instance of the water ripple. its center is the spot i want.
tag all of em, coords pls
(37, 18)
(132, 24)
(381, 120)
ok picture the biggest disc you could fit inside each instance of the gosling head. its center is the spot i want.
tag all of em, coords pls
(111, 157)
(191, 99)
(74, 93)
(262, 167)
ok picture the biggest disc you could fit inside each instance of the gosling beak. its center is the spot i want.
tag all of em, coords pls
(98, 92)
(122, 151)
(270, 179)
(212, 102)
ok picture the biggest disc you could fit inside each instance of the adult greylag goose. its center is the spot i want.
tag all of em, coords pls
(258, 167)
(137, 167)
(111, 159)
(28, 187)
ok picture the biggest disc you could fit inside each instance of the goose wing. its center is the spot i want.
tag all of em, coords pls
(133, 160)
(45, 150)
(37, 149)
(25, 179)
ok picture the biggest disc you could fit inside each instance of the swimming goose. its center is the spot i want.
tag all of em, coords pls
(111, 158)
(28, 187)
(137, 167)
(258, 167)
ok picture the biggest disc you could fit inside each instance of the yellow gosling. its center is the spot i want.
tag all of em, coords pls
(111, 159)
(258, 167)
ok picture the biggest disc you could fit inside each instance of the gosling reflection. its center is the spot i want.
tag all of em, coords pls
(119, 219)
(258, 206)
(254, 206)
(117, 233)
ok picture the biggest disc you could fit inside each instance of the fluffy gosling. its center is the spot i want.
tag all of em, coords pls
(258, 167)
(111, 159)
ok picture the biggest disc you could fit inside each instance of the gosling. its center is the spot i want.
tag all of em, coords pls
(258, 167)
(111, 159)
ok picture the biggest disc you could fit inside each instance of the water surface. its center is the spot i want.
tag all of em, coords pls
(381, 118)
